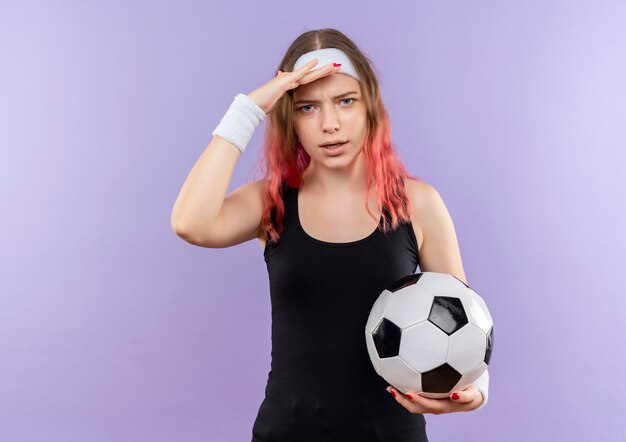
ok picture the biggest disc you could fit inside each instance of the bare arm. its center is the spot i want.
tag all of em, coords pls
(440, 248)
(201, 197)
(203, 214)
(440, 253)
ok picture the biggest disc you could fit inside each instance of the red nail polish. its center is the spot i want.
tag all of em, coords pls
(393, 393)
(408, 396)
(336, 64)
(455, 396)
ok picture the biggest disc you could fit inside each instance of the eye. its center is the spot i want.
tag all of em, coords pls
(301, 108)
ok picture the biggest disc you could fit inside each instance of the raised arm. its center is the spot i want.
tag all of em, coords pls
(203, 215)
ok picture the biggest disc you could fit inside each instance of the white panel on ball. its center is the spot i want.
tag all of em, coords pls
(468, 378)
(404, 377)
(462, 353)
(478, 313)
(424, 346)
(409, 306)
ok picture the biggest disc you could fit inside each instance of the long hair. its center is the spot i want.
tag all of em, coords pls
(285, 159)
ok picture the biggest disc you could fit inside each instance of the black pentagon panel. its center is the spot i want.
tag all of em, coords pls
(448, 314)
(387, 338)
(440, 380)
(489, 346)
(405, 282)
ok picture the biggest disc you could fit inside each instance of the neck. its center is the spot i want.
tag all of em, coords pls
(347, 180)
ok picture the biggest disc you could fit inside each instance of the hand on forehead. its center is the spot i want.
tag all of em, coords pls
(326, 56)
(327, 88)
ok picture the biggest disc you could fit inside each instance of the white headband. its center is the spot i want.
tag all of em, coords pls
(329, 55)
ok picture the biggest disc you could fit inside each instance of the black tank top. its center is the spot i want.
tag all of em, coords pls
(322, 385)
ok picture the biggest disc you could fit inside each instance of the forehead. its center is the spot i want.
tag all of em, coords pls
(330, 85)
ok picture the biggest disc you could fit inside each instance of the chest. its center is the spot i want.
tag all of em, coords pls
(340, 221)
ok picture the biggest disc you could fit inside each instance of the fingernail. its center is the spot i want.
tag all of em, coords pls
(393, 393)
(408, 396)
(455, 396)
(336, 64)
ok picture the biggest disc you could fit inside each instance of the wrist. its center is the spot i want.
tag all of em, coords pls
(240, 121)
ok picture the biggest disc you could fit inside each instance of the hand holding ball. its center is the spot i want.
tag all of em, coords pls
(429, 333)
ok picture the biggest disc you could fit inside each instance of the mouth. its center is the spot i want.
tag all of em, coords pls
(333, 146)
(334, 150)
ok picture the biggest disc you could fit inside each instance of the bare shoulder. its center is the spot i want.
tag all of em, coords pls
(440, 250)
(421, 194)
(428, 205)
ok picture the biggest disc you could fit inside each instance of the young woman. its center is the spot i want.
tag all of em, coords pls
(337, 225)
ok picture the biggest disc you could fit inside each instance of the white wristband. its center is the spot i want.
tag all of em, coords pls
(482, 383)
(239, 122)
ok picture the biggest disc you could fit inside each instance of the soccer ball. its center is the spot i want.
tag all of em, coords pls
(429, 333)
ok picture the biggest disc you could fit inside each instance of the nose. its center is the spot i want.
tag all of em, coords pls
(330, 121)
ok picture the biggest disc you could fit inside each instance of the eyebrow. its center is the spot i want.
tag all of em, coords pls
(335, 98)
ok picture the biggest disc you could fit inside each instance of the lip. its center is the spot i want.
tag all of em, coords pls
(333, 142)
(335, 152)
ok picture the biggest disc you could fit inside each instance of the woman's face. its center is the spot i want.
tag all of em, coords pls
(330, 108)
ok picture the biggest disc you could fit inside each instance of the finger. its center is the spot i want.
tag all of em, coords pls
(294, 78)
(302, 76)
(463, 396)
(319, 73)
(308, 65)
(402, 400)
(298, 73)
(434, 406)
(415, 403)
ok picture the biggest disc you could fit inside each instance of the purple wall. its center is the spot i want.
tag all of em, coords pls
(111, 327)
